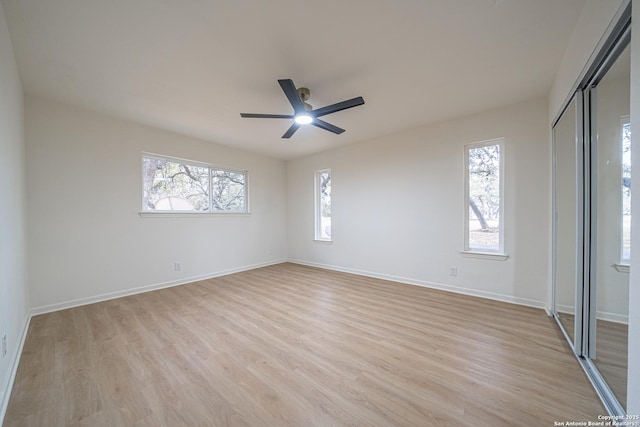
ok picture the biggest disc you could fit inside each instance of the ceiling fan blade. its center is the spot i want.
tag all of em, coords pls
(289, 89)
(289, 133)
(350, 103)
(327, 126)
(267, 116)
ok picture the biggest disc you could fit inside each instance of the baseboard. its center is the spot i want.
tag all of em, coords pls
(613, 317)
(148, 288)
(15, 361)
(426, 284)
(600, 315)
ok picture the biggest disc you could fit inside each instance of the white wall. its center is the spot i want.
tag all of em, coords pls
(86, 238)
(592, 23)
(13, 271)
(633, 383)
(398, 206)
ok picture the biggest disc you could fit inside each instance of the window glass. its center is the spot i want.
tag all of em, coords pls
(323, 205)
(484, 196)
(227, 191)
(178, 185)
(626, 190)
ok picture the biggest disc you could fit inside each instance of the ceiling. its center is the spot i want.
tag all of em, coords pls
(191, 66)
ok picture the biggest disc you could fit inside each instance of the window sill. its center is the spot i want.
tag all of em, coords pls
(168, 214)
(485, 255)
(322, 241)
(621, 268)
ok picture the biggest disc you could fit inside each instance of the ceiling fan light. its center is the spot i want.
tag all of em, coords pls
(303, 119)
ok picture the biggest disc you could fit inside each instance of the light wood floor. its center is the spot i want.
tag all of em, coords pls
(611, 353)
(611, 357)
(289, 345)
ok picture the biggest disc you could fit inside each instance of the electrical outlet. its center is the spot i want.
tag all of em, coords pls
(453, 271)
(177, 266)
(4, 345)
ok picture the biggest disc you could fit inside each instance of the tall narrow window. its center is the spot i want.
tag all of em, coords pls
(323, 205)
(484, 196)
(626, 191)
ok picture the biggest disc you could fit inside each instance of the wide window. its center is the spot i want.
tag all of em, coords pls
(170, 184)
(484, 196)
(323, 205)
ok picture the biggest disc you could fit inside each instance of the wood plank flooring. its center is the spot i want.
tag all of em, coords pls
(611, 361)
(611, 352)
(290, 345)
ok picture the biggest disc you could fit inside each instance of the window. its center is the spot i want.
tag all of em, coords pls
(626, 191)
(484, 196)
(323, 205)
(182, 185)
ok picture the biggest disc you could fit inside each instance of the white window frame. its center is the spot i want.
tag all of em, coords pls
(210, 211)
(318, 207)
(499, 253)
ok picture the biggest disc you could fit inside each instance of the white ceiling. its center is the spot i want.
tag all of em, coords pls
(191, 66)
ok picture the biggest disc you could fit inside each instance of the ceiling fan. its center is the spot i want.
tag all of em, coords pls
(303, 113)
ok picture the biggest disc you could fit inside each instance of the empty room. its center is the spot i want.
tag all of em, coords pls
(363, 213)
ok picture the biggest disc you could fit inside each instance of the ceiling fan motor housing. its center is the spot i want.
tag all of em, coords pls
(304, 94)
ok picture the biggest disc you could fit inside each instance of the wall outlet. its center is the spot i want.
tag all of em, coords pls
(177, 266)
(4, 345)
(453, 271)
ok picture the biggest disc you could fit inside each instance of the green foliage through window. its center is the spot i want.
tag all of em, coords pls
(176, 185)
(626, 191)
(484, 198)
(323, 204)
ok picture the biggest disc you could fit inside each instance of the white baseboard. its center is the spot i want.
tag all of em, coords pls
(566, 309)
(15, 361)
(600, 315)
(612, 317)
(142, 289)
(433, 285)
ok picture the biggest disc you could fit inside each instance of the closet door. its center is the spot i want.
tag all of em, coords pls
(567, 265)
(592, 145)
(610, 212)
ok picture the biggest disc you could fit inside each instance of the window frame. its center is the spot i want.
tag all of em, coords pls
(487, 253)
(318, 206)
(211, 167)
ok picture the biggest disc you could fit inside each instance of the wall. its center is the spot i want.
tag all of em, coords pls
(592, 23)
(398, 206)
(633, 383)
(13, 268)
(87, 240)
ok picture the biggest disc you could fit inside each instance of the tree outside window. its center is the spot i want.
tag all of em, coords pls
(484, 196)
(176, 185)
(323, 205)
(626, 191)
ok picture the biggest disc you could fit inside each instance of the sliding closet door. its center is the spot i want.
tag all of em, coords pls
(567, 227)
(592, 145)
(610, 222)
